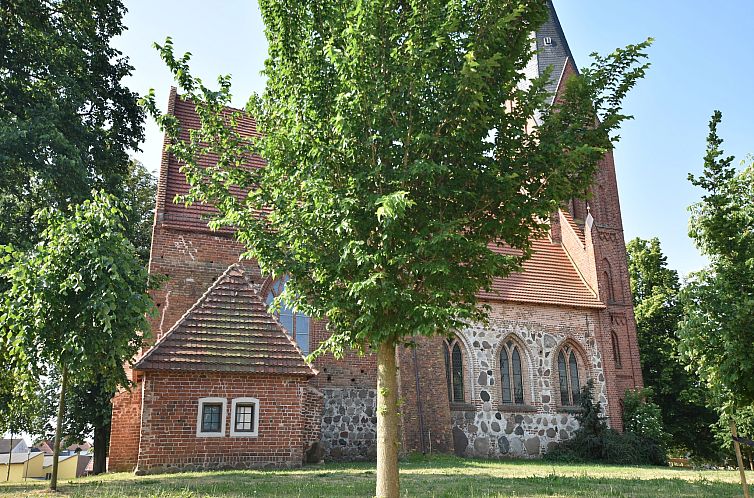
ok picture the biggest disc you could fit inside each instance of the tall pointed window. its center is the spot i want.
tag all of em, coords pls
(294, 322)
(511, 375)
(454, 370)
(607, 276)
(616, 350)
(568, 373)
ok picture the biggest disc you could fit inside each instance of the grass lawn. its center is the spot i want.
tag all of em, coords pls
(437, 476)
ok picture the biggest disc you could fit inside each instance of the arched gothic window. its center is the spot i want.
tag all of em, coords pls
(511, 375)
(294, 322)
(568, 372)
(616, 350)
(454, 370)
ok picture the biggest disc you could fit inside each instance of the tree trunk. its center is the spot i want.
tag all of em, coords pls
(10, 455)
(101, 443)
(740, 459)
(58, 430)
(387, 423)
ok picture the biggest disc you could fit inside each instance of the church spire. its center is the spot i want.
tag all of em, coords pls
(553, 50)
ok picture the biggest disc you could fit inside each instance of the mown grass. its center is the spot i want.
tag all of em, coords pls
(433, 477)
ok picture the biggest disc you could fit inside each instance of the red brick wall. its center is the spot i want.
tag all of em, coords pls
(311, 412)
(124, 432)
(609, 252)
(434, 417)
(169, 419)
(614, 289)
(192, 261)
(353, 370)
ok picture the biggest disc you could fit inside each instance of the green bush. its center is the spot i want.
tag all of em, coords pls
(594, 441)
(642, 416)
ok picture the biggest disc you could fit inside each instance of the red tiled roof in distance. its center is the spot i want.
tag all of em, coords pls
(227, 330)
(548, 277)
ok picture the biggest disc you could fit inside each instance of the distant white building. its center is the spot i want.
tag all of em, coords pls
(13, 446)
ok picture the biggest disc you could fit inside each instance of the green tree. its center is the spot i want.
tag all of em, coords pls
(681, 397)
(77, 302)
(717, 331)
(744, 419)
(67, 121)
(397, 154)
(138, 191)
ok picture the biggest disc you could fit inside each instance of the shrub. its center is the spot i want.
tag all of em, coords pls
(642, 416)
(594, 441)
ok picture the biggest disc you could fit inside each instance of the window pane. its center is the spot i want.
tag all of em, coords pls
(457, 374)
(302, 332)
(245, 414)
(211, 415)
(505, 376)
(575, 385)
(518, 381)
(563, 377)
(446, 353)
(286, 320)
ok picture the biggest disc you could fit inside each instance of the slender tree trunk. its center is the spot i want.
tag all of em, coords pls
(10, 454)
(740, 459)
(101, 440)
(387, 423)
(751, 460)
(58, 430)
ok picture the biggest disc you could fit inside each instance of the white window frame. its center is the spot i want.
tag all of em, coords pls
(245, 401)
(200, 407)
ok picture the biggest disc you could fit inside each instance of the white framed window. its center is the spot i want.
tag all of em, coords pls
(244, 420)
(210, 417)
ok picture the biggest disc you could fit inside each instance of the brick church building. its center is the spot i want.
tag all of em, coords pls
(226, 385)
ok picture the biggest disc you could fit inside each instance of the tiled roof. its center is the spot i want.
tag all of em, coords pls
(196, 215)
(574, 226)
(5, 444)
(228, 330)
(548, 277)
(18, 458)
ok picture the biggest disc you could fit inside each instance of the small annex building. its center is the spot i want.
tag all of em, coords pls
(70, 466)
(226, 385)
(22, 466)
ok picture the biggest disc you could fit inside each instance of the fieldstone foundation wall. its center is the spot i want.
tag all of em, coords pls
(497, 434)
(349, 424)
(484, 427)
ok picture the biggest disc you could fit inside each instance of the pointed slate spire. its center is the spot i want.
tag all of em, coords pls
(552, 49)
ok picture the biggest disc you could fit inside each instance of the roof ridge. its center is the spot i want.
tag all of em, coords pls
(273, 341)
(183, 317)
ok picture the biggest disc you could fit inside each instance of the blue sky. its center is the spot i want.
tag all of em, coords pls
(702, 60)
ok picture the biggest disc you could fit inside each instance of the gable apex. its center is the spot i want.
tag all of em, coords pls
(227, 330)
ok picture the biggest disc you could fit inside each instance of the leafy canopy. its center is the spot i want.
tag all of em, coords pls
(77, 300)
(658, 309)
(67, 121)
(400, 150)
(717, 332)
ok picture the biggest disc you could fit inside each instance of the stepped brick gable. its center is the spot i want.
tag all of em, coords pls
(225, 383)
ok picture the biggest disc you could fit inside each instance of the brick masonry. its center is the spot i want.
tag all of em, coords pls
(169, 422)
(486, 427)
(154, 425)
